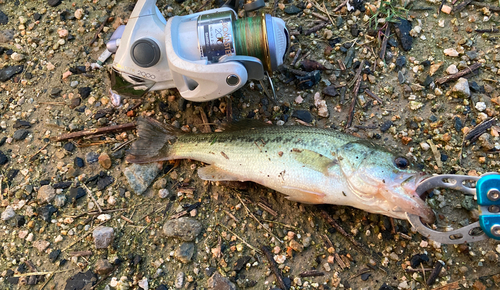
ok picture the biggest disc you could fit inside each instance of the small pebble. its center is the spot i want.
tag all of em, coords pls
(8, 213)
(79, 13)
(104, 160)
(79, 162)
(451, 52)
(452, 69)
(446, 9)
(91, 157)
(103, 237)
(480, 106)
(163, 193)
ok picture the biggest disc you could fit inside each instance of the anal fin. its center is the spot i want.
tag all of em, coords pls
(213, 173)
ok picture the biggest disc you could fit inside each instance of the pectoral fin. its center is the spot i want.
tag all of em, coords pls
(213, 173)
(303, 196)
(313, 160)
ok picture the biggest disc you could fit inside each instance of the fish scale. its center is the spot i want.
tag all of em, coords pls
(307, 164)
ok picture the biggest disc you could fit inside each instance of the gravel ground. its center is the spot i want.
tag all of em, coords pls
(75, 215)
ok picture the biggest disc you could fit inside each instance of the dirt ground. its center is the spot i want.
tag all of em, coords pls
(419, 117)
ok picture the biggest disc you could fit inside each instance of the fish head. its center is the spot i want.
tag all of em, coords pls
(385, 182)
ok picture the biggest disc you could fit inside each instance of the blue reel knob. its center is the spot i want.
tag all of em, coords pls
(488, 198)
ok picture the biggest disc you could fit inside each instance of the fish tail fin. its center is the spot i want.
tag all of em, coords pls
(153, 142)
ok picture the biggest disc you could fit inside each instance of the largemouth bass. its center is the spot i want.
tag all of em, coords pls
(309, 165)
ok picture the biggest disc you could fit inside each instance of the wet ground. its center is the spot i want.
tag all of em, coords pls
(55, 193)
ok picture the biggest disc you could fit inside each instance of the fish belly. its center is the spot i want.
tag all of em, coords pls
(271, 165)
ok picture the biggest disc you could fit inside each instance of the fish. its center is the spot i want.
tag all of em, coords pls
(308, 164)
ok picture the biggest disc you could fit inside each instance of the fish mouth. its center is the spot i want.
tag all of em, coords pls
(416, 203)
(398, 198)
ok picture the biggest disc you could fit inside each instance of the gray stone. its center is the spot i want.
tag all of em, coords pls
(472, 54)
(184, 228)
(8, 72)
(55, 92)
(8, 213)
(6, 35)
(60, 200)
(46, 194)
(179, 280)
(4, 19)
(139, 177)
(184, 253)
(91, 157)
(160, 183)
(103, 267)
(103, 237)
(292, 10)
(163, 193)
(20, 134)
(54, 3)
(218, 282)
(461, 88)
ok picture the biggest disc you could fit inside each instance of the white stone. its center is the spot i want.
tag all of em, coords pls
(8, 213)
(321, 105)
(461, 88)
(451, 52)
(104, 217)
(425, 146)
(280, 259)
(114, 282)
(163, 193)
(452, 69)
(327, 267)
(179, 280)
(480, 106)
(17, 56)
(111, 200)
(79, 13)
(144, 283)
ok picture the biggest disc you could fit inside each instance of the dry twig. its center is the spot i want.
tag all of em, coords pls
(273, 267)
(41, 273)
(335, 225)
(458, 75)
(340, 6)
(461, 6)
(90, 132)
(253, 216)
(315, 28)
(80, 253)
(312, 273)
(93, 198)
(490, 7)
(98, 31)
(373, 96)
(38, 152)
(384, 42)
(241, 239)
(296, 57)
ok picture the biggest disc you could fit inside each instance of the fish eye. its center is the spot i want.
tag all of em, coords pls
(401, 162)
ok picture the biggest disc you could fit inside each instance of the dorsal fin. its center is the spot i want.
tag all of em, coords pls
(245, 124)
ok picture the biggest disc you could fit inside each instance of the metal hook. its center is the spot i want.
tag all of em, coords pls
(266, 91)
